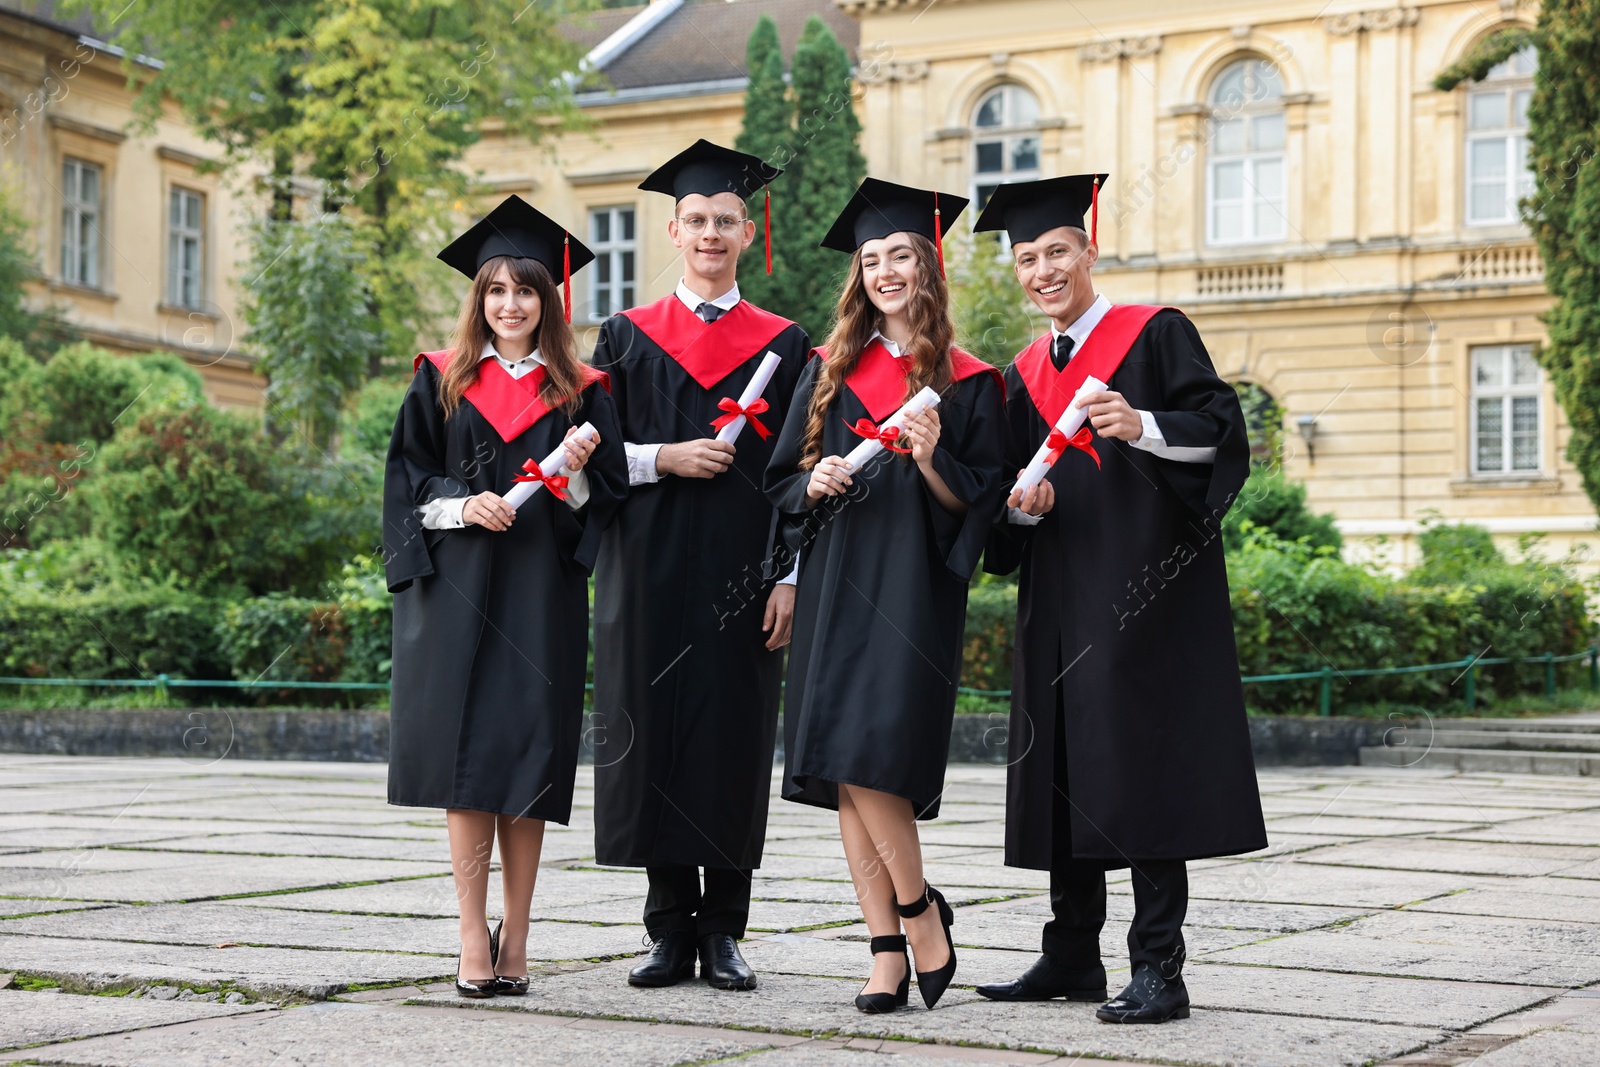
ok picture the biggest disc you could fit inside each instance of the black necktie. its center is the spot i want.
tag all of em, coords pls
(1061, 351)
(709, 312)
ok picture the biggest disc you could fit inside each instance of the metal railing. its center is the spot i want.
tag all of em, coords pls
(1468, 668)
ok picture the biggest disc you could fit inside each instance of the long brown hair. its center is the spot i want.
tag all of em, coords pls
(563, 373)
(855, 319)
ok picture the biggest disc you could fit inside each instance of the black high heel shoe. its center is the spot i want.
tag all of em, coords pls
(932, 984)
(486, 988)
(503, 986)
(883, 1003)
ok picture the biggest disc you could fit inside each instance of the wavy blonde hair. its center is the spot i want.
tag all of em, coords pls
(563, 377)
(932, 335)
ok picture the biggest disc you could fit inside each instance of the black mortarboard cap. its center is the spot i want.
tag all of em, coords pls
(1026, 209)
(709, 169)
(517, 228)
(880, 208)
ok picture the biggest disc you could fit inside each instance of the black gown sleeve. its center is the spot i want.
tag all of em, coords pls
(1007, 540)
(579, 531)
(972, 464)
(414, 473)
(1201, 410)
(785, 483)
(794, 345)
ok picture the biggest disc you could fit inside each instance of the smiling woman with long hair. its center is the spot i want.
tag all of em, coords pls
(886, 552)
(491, 602)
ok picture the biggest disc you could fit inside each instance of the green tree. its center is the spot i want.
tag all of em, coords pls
(377, 100)
(994, 318)
(306, 308)
(1564, 210)
(826, 168)
(768, 126)
(37, 331)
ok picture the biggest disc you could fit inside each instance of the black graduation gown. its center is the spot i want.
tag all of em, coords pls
(490, 632)
(686, 692)
(882, 601)
(1123, 587)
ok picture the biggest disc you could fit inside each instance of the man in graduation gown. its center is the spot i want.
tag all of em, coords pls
(1129, 742)
(689, 623)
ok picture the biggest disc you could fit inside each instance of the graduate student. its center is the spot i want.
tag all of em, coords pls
(886, 552)
(1126, 706)
(689, 624)
(490, 602)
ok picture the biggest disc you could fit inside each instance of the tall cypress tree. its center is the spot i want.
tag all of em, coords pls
(1564, 211)
(826, 168)
(768, 126)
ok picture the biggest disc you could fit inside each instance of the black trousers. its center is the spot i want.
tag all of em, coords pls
(677, 904)
(1078, 895)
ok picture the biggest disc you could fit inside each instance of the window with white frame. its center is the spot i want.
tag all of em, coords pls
(1005, 138)
(1507, 394)
(185, 247)
(1497, 142)
(611, 279)
(80, 223)
(1245, 180)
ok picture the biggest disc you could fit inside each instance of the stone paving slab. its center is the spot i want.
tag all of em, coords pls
(15, 906)
(36, 1018)
(1226, 914)
(1364, 826)
(1291, 882)
(346, 847)
(1516, 903)
(1461, 857)
(819, 1005)
(188, 877)
(1580, 828)
(323, 1035)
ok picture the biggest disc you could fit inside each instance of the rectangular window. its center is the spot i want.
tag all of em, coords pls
(1507, 397)
(185, 248)
(80, 223)
(611, 280)
(1497, 156)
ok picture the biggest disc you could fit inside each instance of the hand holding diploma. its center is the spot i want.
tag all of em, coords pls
(749, 405)
(1068, 432)
(574, 452)
(831, 475)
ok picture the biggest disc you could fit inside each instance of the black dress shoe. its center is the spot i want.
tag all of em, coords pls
(884, 1003)
(721, 964)
(671, 961)
(1148, 999)
(480, 989)
(1047, 980)
(932, 984)
(503, 986)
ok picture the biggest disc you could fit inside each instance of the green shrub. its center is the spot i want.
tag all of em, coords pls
(986, 646)
(1452, 552)
(1271, 501)
(108, 633)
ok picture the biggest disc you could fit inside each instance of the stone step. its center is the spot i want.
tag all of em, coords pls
(1484, 760)
(1574, 725)
(1528, 740)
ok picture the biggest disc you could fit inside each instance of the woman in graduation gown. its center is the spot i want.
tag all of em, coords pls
(491, 601)
(886, 553)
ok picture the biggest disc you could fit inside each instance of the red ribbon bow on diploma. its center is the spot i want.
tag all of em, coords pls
(887, 436)
(731, 406)
(556, 483)
(1083, 440)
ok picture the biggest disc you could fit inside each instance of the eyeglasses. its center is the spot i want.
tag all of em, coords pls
(727, 225)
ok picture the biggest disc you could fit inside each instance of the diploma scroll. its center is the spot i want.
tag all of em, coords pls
(550, 468)
(927, 398)
(1070, 422)
(749, 404)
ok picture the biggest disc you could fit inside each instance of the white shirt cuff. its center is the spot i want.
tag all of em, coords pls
(577, 487)
(1155, 444)
(1022, 518)
(792, 577)
(641, 463)
(444, 513)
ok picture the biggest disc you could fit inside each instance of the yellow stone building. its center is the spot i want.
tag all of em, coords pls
(136, 244)
(1344, 235)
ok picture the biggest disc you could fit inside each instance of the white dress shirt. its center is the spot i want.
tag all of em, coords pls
(1151, 439)
(444, 513)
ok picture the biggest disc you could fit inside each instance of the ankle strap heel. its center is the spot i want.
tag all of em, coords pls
(897, 943)
(883, 1003)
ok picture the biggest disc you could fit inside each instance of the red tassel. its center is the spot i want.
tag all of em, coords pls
(1094, 213)
(566, 275)
(767, 208)
(938, 233)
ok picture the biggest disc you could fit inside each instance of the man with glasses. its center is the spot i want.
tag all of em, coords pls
(689, 623)
(1128, 740)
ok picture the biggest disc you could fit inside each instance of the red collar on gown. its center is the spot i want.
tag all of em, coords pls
(709, 352)
(510, 405)
(1102, 353)
(879, 380)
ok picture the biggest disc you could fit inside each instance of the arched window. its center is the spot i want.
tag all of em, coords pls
(1005, 139)
(1263, 424)
(1245, 173)
(1497, 142)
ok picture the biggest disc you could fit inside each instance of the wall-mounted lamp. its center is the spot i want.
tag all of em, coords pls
(1308, 434)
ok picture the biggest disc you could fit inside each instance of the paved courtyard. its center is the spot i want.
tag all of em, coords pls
(281, 913)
